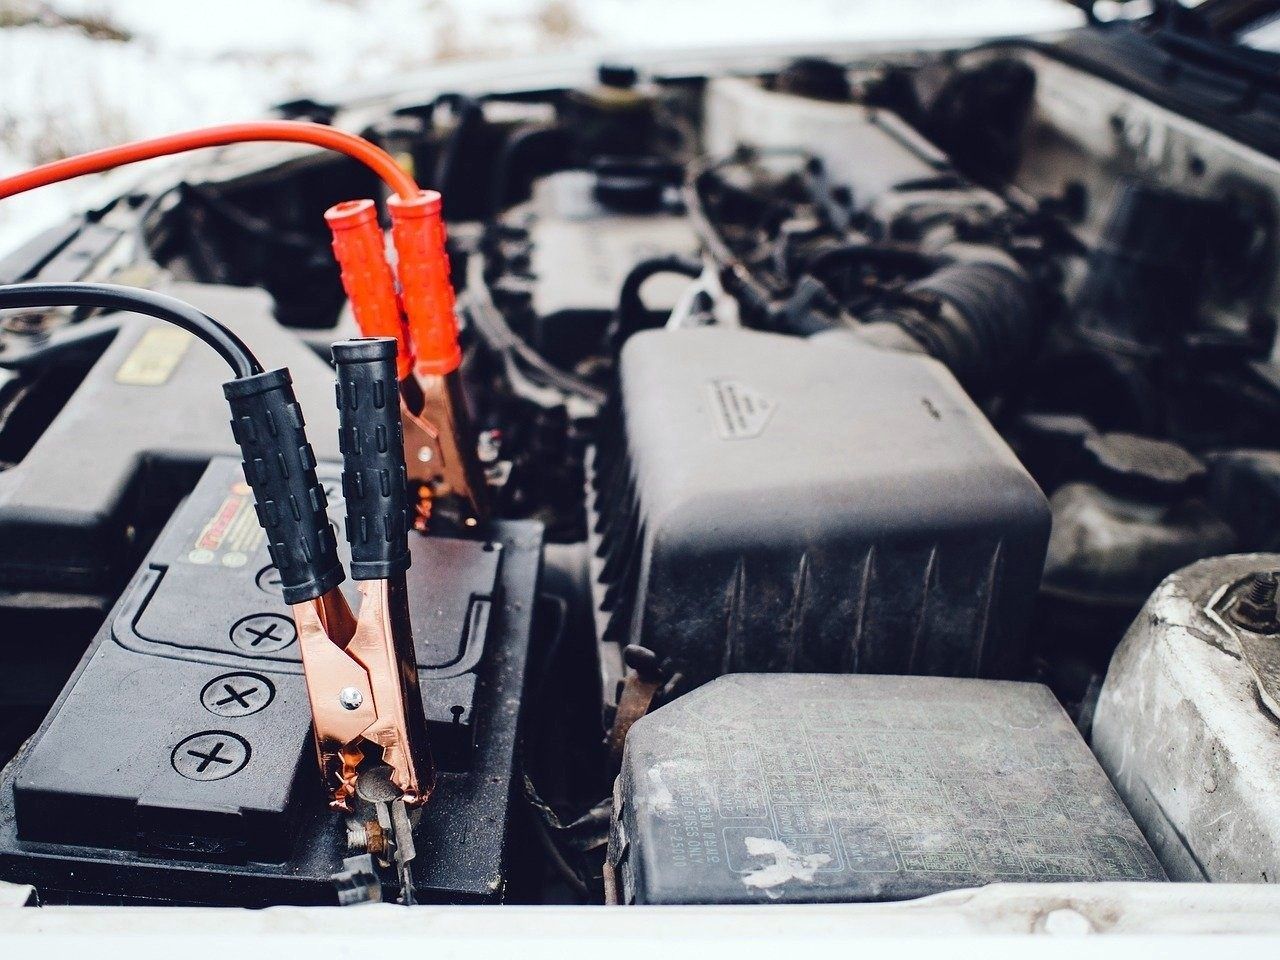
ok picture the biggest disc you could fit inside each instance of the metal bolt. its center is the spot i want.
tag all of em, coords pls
(1256, 609)
(350, 698)
(425, 454)
(1262, 589)
(357, 837)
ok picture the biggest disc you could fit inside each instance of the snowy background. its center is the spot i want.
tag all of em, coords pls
(80, 74)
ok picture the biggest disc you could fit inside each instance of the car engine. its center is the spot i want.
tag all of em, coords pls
(830, 480)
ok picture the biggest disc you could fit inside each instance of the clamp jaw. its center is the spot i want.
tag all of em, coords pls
(361, 671)
(360, 694)
(440, 444)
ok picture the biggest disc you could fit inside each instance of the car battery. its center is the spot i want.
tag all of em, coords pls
(178, 763)
(807, 788)
(131, 439)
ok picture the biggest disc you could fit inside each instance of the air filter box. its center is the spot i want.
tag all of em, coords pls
(771, 504)
(813, 788)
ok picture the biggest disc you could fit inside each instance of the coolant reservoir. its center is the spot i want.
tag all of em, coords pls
(1184, 727)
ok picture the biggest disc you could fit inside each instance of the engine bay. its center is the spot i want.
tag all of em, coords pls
(855, 479)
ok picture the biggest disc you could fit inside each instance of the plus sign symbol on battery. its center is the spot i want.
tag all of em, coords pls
(212, 755)
(263, 633)
(237, 694)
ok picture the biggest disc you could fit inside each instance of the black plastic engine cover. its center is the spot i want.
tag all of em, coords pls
(805, 789)
(773, 504)
(178, 764)
(579, 252)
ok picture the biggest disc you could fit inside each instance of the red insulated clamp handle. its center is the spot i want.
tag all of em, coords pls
(417, 228)
(360, 250)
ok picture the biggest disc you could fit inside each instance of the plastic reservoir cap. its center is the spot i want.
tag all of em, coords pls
(417, 227)
(360, 250)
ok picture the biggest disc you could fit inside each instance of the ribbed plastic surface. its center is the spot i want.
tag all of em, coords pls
(374, 482)
(279, 465)
(767, 503)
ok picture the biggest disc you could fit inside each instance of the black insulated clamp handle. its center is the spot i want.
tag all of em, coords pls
(281, 468)
(371, 438)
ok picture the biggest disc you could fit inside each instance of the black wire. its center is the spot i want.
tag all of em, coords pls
(480, 310)
(630, 315)
(883, 254)
(517, 143)
(109, 296)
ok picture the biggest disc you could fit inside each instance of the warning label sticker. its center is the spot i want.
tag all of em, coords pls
(740, 412)
(232, 534)
(154, 357)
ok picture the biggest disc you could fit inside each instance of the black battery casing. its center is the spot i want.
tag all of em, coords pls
(178, 765)
(131, 439)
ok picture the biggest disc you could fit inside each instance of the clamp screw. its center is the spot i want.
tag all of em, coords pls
(357, 837)
(366, 837)
(350, 698)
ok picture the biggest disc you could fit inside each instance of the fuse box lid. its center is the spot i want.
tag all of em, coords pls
(810, 787)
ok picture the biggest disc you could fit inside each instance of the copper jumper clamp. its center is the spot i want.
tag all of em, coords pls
(361, 670)
(361, 693)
